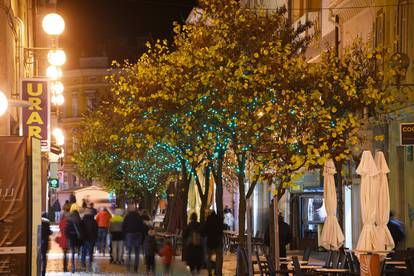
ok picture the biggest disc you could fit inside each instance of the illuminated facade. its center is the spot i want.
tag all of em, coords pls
(82, 88)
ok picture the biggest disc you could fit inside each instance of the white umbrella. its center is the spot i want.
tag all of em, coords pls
(332, 237)
(383, 235)
(369, 194)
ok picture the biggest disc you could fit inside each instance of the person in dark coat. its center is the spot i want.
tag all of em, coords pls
(213, 232)
(57, 209)
(150, 249)
(192, 241)
(396, 228)
(285, 236)
(90, 228)
(45, 234)
(74, 234)
(134, 231)
(72, 198)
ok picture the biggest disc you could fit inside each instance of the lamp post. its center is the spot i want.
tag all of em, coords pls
(53, 25)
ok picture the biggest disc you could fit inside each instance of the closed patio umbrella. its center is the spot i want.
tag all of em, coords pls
(332, 237)
(369, 195)
(384, 239)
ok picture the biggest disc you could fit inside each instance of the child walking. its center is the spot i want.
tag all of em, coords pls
(167, 253)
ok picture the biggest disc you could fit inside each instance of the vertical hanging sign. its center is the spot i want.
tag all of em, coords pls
(36, 118)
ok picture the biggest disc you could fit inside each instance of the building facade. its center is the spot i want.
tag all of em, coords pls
(377, 23)
(82, 88)
(17, 32)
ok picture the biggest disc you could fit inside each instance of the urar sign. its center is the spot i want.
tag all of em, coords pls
(407, 134)
(36, 118)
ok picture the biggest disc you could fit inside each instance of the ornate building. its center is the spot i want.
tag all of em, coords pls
(82, 87)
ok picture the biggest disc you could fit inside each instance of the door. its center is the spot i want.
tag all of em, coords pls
(309, 215)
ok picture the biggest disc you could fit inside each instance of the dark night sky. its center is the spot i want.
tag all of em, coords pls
(118, 28)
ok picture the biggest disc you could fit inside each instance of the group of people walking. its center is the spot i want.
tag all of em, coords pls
(83, 228)
(202, 242)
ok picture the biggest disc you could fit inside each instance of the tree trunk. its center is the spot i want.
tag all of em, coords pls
(149, 199)
(218, 177)
(170, 220)
(339, 180)
(242, 198)
(184, 194)
(204, 196)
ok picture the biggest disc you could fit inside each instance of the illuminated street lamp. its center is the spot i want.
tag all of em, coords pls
(4, 103)
(57, 87)
(58, 99)
(53, 72)
(60, 138)
(53, 24)
(56, 57)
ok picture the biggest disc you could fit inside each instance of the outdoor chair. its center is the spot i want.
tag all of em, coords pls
(306, 254)
(334, 260)
(328, 259)
(410, 265)
(242, 263)
(263, 266)
(299, 271)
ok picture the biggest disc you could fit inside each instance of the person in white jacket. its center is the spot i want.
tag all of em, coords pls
(228, 219)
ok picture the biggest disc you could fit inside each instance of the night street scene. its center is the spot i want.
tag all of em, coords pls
(207, 137)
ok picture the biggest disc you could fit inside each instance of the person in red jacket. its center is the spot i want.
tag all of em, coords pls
(61, 238)
(102, 218)
(167, 253)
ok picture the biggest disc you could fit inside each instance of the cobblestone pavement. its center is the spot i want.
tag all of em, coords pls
(103, 267)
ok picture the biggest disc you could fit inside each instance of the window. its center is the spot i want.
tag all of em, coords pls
(75, 105)
(402, 27)
(90, 98)
(74, 139)
(379, 28)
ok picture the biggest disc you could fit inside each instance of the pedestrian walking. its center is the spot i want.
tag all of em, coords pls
(45, 234)
(285, 236)
(90, 228)
(94, 211)
(150, 249)
(228, 219)
(102, 218)
(117, 237)
(167, 254)
(74, 235)
(213, 231)
(72, 198)
(396, 228)
(134, 230)
(61, 239)
(192, 241)
(57, 209)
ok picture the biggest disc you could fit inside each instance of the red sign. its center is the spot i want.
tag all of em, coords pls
(36, 118)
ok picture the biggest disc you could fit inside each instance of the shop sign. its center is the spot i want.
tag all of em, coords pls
(36, 118)
(407, 134)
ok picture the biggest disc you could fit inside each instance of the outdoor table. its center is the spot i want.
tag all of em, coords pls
(395, 262)
(311, 266)
(332, 270)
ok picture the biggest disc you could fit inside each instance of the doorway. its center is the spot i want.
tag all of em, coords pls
(308, 214)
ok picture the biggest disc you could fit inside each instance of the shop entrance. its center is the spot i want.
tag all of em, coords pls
(307, 216)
